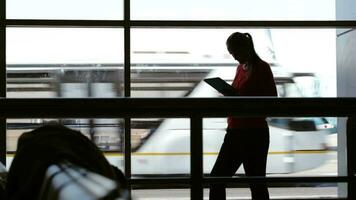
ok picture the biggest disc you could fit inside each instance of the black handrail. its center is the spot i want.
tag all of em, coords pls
(176, 107)
(181, 23)
(231, 180)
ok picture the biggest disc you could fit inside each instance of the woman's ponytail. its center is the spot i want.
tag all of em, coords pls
(249, 39)
(252, 46)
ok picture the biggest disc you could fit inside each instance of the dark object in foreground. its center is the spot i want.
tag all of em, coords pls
(49, 145)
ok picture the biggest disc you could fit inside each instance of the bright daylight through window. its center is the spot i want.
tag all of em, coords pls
(171, 62)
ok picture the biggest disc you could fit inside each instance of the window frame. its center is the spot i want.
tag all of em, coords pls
(127, 24)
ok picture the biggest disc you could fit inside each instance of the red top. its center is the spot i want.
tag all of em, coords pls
(258, 81)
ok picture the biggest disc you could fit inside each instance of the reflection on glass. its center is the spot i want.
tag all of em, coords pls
(233, 10)
(306, 191)
(161, 193)
(301, 146)
(160, 146)
(65, 9)
(64, 62)
(107, 134)
(173, 62)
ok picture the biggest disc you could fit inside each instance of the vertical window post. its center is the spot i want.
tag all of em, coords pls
(127, 85)
(127, 48)
(3, 78)
(196, 157)
(351, 152)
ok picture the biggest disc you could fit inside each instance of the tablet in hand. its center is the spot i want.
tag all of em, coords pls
(221, 86)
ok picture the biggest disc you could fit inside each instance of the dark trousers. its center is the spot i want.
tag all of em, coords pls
(242, 146)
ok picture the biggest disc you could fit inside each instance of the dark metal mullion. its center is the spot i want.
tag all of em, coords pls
(3, 140)
(176, 107)
(196, 157)
(127, 49)
(127, 89)
(236, 180)
(66, 23)
(227, 24)
(181, 23)
(127, 151)
(350, 153)
(3, 78)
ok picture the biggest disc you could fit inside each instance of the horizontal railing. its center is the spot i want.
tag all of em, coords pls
(181, 23)
(176, 107)
(194, 108)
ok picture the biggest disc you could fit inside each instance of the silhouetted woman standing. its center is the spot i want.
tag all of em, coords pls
(247, 139)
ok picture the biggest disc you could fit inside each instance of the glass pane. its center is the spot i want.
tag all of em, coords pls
(233, 10)
(309, 143)
(292, 192)
(107, 134)
(298, 146)
(346, 41)
(173, 62)
(64, 62)
(65, 9)
(346, 85)
(161, 194)
(159, 142)
(345, 10)
(243, 192)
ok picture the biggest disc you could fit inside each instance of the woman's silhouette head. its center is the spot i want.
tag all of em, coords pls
(240, 46)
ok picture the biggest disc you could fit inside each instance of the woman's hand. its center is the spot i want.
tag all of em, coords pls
(230, 93)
